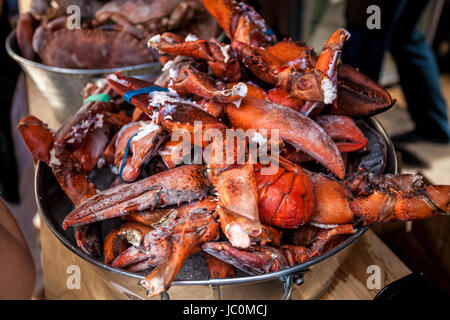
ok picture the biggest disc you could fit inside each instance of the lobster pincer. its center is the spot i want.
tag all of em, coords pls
(182, 184)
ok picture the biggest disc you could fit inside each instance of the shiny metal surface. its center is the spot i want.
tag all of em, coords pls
(54, 206)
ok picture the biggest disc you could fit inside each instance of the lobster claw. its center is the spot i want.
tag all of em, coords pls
(359, 96)
(296, 75)
(189, 80)
(404, 197)
(344, 132)
(182, 184)
(144, 139)
(181, 117)
(294, 128)
(220, 58)
(38, 138)
(179, 241)
(241, 22)
(255, 260)
(122, 84)
(286, 198)
(324, 241)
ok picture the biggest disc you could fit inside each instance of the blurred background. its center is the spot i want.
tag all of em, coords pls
(422, 246)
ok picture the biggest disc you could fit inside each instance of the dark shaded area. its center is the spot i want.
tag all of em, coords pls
(413, 287)
(416, 64)
(8, 77)
(441, 43)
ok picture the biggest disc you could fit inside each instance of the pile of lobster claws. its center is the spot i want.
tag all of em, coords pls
(314, 186)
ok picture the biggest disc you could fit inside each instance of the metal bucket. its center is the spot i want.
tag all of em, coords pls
(54, 206)
(62, 86)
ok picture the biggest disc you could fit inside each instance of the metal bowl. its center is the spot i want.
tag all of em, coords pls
(62, 86)
(54, 206)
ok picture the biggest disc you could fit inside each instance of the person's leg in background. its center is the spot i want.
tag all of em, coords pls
(419, 77)
(366, 47)
(8, 78)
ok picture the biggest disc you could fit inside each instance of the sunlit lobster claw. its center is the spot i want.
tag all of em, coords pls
(260, 259)
(344, 132)
(301, 74)
(182, 184)
(142, 139)
(342, 129)
(296, 76)
(220, 58)
(241, 22)
(235, 184)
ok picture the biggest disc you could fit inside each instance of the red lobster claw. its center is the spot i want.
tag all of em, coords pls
(241, 22)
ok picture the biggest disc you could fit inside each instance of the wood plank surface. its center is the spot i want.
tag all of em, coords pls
(343, 276)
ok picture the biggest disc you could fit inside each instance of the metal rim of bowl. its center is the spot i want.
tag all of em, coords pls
(17, 57)
(240, 280)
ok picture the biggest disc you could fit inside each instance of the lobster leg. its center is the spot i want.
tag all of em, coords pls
(144, 222)
(381, 207)
(171, 118)
(263, 259)
(184, 239)
(255, 260)
(238, 204)
(158, 218)
(189, 80)
(332, 196)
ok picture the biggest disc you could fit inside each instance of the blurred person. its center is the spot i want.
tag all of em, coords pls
(17, 168)
(414, 58)
(17, 273)
(9, 189)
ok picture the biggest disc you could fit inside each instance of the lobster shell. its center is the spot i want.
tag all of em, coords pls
(286, 198)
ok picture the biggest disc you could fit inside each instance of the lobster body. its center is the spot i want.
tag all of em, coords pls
(286, 199)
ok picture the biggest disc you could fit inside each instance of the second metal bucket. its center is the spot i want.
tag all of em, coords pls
(62, 86)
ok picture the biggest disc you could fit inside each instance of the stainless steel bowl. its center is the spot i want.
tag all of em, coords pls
(62, 86)
(54, 206)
